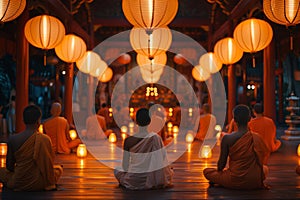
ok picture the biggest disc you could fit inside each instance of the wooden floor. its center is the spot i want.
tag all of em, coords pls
(96, 181)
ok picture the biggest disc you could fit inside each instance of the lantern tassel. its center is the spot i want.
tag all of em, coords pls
(253, 61)
(45, 58)
(291, 42)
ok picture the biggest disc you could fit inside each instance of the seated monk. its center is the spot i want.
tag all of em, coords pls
(265, 127)
(57, 128)
(207, 123)
(145, 164)
(157, 122)
(96, 127)
(247, 155)
(29, 159)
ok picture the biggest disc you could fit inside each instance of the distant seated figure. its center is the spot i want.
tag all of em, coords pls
(265, 127)
(157, 122)
(145, 164)
(96, 127)
(104, 111)
(247, 155)
(207, 123)
(57, 128)
(29, 160)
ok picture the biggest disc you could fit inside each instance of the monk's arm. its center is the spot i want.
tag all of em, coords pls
(223, 154)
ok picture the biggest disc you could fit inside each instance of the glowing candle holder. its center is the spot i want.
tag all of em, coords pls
(170, 112)
(3, 162)
(170, 126)
(131, 127)
(298, 150)
(124, 129)
(112, 138)
(81, 151)
(190, 112)
(41, 128)
(72, 134)
(218, 128)
(124, 136)
(206, 152)
(110, 110)
(189, 138)
(175, 131)
(3, 149)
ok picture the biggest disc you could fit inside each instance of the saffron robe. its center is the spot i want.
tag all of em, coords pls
(207, 123)
(145, 168)
(96, 127)
(246, 159)
(266, 128)
(34, 168)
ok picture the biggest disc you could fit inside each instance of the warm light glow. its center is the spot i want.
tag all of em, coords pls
(156, 63)
(190, 112)
(206, 152)
(44, 31)
(112, 138)
(124, 136)
(106, 76)
(41, 129)
(189, 138)
(298, 150)
(227, 51)
(10, 10)
(149, 14)
(71, 49)
(73, 134)
(253, 35)
(210, 62)
(169, 125)
(175, 129)
(124, 129)
(218, 128)
(3, 162)
(200, 74)
(81, 151)
(3, 149)
(90, 62)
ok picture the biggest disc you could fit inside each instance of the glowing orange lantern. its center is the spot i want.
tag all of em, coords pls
(81, 151)
(200, 74)
(11, 9)
(298, 150)
(206, 152)
(153, 44)
(210, 62)
(157, 62)
(179, 59)
(89, 62)
(149, 14)
(99, 71)
(73, 134)
(3, 149)
(71, 49)
(189, 138)
(112, 138)
(124, 59)
(227, 51)
(106, 76)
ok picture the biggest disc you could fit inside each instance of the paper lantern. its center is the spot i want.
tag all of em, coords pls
(210, 62)
(227, 51)
(200, 74)
(149, 14)
(298, 150)
(44, 31)
(72, 134)
(253, 35)
(11, 9)
(156, 63)
(151, 77)
(189, 138)
(150, 45)
(89, 62)
(179, 59)
(81, 151)
(206, 152)
(3, 149)
(106, 76)
(41, 128)
(71, 49)
(124, 59)
(112, 138)
(283, 12)
(99, 70)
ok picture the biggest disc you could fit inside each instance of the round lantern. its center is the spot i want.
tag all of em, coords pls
(88, 62)
(253, 35)
(150, 45)
(200, 74)
(156, 63)
(44, 32)
(124, 59)
(227, 51)
(283, 12)
(179, 59)
(11, 9)
(210, 62)
(99, 70)
(71, 48)
(106, 76)
(151, 76)
(149, 14)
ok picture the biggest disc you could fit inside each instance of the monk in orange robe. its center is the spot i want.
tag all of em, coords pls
(247, 155)
(29, 160)
(265, 127)
(207, 123)
(57, 128)
(96, 127)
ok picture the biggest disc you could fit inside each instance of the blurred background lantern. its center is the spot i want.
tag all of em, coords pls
(227, 51)
(210, 62)
(11, 9)
(200, 74)
(100, 69)
(88, 62)
(106, 75)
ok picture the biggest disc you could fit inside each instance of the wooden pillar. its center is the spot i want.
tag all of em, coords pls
(22, 71)
(231, 93)
(269, 81)
(57, 84)
(68, 92)
(280, 93)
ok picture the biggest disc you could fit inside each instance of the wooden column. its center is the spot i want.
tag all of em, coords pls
(68, 92)
(22, 71)
(231, 93)
(57, 84)
(269, 81)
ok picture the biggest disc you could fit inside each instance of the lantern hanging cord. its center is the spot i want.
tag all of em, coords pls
(45, 58)
(253, 61)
